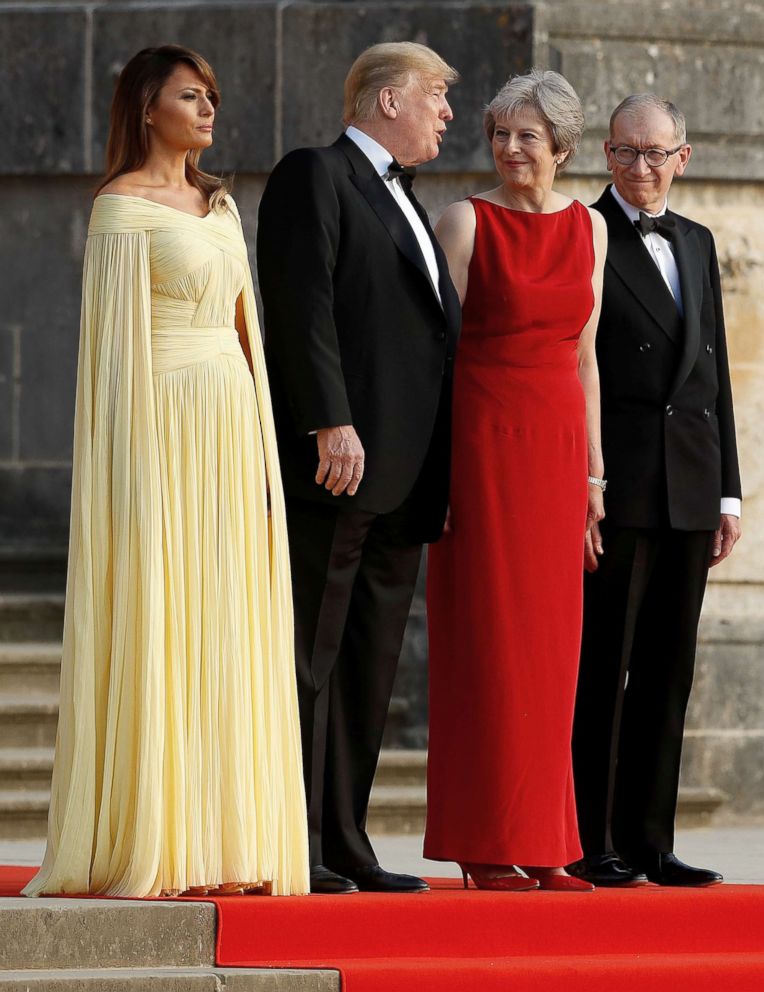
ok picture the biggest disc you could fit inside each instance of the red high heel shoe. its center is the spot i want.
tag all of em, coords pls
(550, 881)
(490, 877)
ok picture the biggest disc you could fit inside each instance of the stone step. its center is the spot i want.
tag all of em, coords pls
(30, 571)
(29, 616)
(172, 980)
(25, 767)
(401, 767)
(24, 813)
(696, 807)
(399, 799)
(74, 945)
(105, 933)
(29, 665)
(28, 720)
(397, 809)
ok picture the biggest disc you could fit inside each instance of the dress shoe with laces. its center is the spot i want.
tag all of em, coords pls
(372, 878)
(608, 871)
(325, 882)
(667, 869)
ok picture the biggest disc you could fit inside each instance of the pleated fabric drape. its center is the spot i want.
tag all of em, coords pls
(177, 756)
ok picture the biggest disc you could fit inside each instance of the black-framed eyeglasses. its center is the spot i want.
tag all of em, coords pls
(654, 157)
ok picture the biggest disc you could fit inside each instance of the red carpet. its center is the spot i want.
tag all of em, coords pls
(448, 940)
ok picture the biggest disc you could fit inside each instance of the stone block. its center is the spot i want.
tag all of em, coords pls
(68, 933)
(42, 235)
(239, 42)
(730, 761)
(696, 20)
(42, 91)
(34, 507)
(280, 980)
(728, 691)
(485, 43)
(172, 980)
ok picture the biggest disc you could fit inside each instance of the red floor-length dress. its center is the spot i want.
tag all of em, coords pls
(504, 590)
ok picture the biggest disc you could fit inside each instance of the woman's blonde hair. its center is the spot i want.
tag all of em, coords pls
(389, 64)
(139, 83)
(552, 98)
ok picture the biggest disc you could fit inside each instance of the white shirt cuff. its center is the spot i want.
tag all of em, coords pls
(732, 505)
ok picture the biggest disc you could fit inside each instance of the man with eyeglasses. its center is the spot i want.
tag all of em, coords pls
(672, 505)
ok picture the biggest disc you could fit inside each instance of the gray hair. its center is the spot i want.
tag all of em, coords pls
(637, 104)
(549, 95)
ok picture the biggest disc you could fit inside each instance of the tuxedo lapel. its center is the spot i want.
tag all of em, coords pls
(451, 305)
(631, 260)
(448, 298)
(366, 179)
(688, 262)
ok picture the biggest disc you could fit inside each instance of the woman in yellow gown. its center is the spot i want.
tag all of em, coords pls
(177, 759)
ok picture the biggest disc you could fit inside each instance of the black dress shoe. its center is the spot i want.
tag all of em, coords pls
(372, 878)
(323, 881)
(607, 870)
(669, 870)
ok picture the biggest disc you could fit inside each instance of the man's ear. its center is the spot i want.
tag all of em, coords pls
(388, 102)
(683, 156)
(606, 147)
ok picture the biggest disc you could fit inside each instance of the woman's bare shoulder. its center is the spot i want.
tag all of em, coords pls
(457, 219)
(128, 184)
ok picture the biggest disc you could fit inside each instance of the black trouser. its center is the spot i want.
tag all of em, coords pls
(641, 612)
(353, 576)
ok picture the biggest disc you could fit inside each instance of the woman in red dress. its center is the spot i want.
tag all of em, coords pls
(504, 589)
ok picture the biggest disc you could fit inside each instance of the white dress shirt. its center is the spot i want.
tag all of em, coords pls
(381, 158)
(661, 250)
(662, 253)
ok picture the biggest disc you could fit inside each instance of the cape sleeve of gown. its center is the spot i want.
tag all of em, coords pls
(113, 627)
(290, 850)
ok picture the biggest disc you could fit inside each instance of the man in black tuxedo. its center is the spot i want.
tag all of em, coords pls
(361, 324)
(672, 504)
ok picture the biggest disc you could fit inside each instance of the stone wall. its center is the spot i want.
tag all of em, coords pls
(281, 67)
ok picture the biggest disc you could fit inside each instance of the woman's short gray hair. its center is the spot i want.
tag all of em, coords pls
(549, 95)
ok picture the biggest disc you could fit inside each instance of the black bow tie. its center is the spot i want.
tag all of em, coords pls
(665, 226)
(406, 173)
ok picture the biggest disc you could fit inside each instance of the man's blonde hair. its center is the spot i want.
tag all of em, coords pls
(389, 64)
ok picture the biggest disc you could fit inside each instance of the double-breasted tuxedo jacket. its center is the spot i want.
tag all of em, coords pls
(668, 430)
(668, 438)
(355, 333)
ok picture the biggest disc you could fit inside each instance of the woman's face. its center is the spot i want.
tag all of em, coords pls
(523, 151)
(182, 115)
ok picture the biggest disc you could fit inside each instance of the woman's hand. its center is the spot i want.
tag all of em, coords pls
(593, 537)
(596, 509)
(447, 525)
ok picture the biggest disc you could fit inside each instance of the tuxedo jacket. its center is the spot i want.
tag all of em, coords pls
(354, 331)
(668, 431)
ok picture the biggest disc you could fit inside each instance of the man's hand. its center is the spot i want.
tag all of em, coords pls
(340, 460)
(725, 538)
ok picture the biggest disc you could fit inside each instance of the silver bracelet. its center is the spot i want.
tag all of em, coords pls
(594, 481)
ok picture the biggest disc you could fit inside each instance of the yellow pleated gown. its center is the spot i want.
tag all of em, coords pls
(178, 756)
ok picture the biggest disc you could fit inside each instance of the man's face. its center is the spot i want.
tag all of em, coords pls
(421, 120)
(642, 185)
